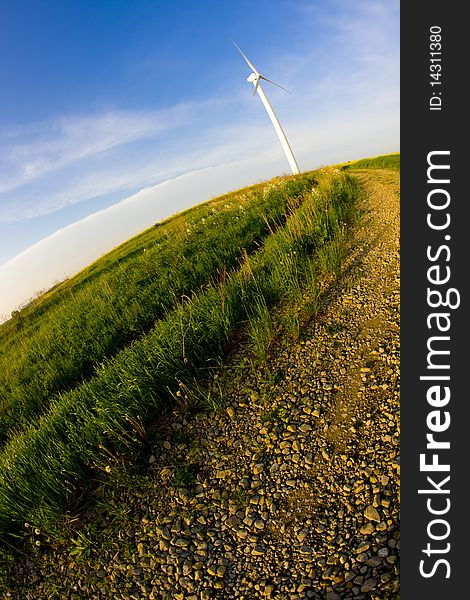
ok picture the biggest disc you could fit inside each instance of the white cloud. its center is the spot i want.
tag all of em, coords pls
(70, 139)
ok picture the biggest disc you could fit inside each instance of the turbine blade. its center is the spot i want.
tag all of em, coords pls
(274, 83)
(248, 62)
(256, 86)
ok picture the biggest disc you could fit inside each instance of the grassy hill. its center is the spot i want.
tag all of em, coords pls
(87, 367)
(61, 339)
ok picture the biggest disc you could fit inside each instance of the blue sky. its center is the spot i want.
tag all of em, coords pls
(117, 113)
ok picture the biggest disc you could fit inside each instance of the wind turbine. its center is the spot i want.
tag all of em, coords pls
(254, 78)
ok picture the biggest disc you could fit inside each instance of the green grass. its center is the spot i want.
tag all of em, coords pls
(83, 430)
(388, 161)
(60, 340)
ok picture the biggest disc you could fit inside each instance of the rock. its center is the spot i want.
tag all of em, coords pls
(212, 570)
(221, 570)
(232, 521)
(268, 590)
(362, 547)
(367, 529)
(372, 514)
(302, 535)
(368, 585)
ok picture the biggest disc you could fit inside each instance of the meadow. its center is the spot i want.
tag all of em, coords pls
(387, 161)
(87, 367)
(60, 340)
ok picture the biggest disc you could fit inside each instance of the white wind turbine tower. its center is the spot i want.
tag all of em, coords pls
(254, 78)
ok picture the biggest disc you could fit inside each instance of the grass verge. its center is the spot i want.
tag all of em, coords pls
(44, 467)
(60, 340)
(387, 161)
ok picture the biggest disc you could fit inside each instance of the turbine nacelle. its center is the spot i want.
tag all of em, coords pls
(255, 77)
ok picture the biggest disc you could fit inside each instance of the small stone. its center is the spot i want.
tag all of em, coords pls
(232, 521)
(231, 412)
(221, 570)
(367, 529)
(257, 469)
(374, 561)
(301, 536)
(362, 547)
(165, 533)
(165, 473)
(349, 576)
(185, 582)
(268, 590)
(372, 514)
(362, 557)
(369, 585)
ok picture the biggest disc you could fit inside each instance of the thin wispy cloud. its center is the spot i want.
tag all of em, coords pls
(70, 139)
(120, 163)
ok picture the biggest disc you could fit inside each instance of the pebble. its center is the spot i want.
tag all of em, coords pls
(371, 514)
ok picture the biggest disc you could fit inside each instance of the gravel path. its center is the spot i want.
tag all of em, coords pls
(291, 489)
